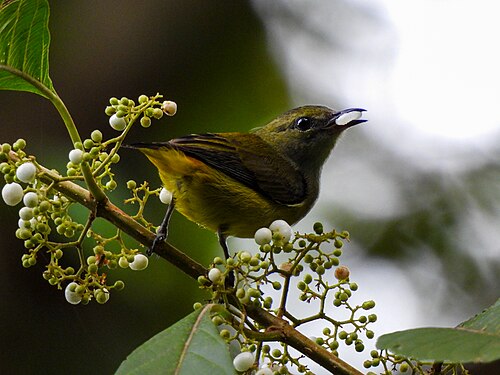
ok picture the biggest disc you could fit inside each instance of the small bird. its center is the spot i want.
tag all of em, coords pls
(236, 183)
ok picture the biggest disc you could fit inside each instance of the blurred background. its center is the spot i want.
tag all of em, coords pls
(418, 186)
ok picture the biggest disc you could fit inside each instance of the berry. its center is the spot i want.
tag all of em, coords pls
(169, 107)
(263, 236)
(117, 123)
(96, 136)
(214, 275)
(243, 361)
(342, 273)
(165, 196)
(70, 294)
(145, 122)
(26, 213)
(76, 156)
(12, 193)
(140, 262)
(26, 172)
(283, 228)
(30, 199)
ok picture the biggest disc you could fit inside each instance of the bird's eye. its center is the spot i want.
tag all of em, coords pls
(303, 124)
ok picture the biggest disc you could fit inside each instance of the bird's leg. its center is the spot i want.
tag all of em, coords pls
(222, 241)
(162, 233)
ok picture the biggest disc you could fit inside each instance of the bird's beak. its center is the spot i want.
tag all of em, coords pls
(346, 118)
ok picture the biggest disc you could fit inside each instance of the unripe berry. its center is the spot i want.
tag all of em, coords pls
(225, 334)
(123, 262)
(26, 172)
(101, 295)
(96, 136)
(142, 99)
(145, 122)
(157, 113)
(119, 285)
(110, 110)
(197, 305)
(318, 228)
(367, 305)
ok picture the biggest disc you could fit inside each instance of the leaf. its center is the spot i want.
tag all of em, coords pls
(24, 45)
(475, 340)
(191, 346)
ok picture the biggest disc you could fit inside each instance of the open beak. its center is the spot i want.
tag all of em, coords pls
(347, 118)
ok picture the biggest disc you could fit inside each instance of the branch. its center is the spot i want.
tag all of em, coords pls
(277, 328)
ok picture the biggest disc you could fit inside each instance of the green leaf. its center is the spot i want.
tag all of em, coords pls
(24, 46)
(191, 346)
(476, 340)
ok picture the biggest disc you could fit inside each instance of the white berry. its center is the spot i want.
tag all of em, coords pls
(283, 228)
(140, 262)
(263, 236)
(165, 196)
(214, 275)
(346, 118)
(26, 213)
(76, 156)
(12, 193)
(70, 294)
(117, 123)
(169, 107)
(30, 199)
(265, 371)
(26, 172)
(243, 361)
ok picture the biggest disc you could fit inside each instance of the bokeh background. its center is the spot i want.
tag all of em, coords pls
(418, 186)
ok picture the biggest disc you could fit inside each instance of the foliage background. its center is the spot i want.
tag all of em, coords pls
(215, 62)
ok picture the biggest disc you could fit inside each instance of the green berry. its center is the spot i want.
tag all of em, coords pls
(276, 285)
(119, 285)
(359, 347)
(143, 99)
(370, 334)
(367, 305)
(225, 334)
(145, 122)
(372, 318)
(318, 228)
(342, 335)
(113, 101)
(276, 353)
(197, 306)
(308, 278)
(110, 110)
(96, 136)
(301, 285)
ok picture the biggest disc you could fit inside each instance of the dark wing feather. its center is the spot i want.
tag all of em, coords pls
(246, 158)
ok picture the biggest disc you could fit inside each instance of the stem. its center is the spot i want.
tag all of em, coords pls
(51, 95)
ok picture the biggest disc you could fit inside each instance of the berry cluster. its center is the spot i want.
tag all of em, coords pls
(50, 220)
(311, 264)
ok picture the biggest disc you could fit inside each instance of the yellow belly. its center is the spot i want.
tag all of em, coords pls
(218, 202)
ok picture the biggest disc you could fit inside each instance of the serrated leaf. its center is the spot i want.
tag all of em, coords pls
(24, 44)
(476, 340)
(191, 346)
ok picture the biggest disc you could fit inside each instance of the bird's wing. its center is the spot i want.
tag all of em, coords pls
(246, 158)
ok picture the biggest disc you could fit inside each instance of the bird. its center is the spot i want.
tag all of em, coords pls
(235, 183)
